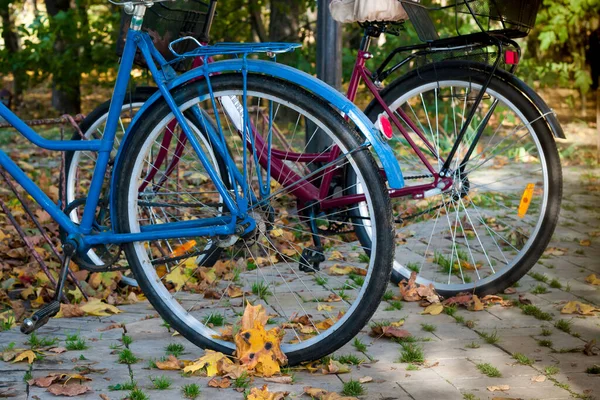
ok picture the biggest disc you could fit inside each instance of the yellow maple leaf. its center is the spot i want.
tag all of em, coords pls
(27, 354)
(177, 277)
(260, 350)
(593, 280)
(339, 270)
(211, 361)
(264, 394)
(336, 256)
(433, 309)
(323, 307)
(97, 308)
(577, 307)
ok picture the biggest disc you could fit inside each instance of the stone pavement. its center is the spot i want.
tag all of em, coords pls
(452, 350)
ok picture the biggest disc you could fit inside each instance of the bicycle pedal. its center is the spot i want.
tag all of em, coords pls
(311, 259)
(40, 317)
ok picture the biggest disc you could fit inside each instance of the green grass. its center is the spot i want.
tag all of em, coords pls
(343, 295)
(594, 369)
(564, 325)
(28, 376)
(450, 310)
(473, 345)
(412, 367)
(530, 309)
(359, 345)
(218, 319)
(353, 388)
(127, 340)
(261, 289)
(411, 353)
(242, 382)
(74, 342)
(489, 370)
(546, 332)
(138, 394)
(363, 258)
(539, 277)
(7, 324)
(395, 305)
(555, 283)
(428, 327)
(522, 359)
(358, 279)
(551, 370)
(35, 341)
(388, 295)
(126, 356)
(190, 391)
(162, 382)
(124, 386)
(166, 325)
(321, 280)
(470, 396)
(459, 319)
(413, 267)
(350, 359)
(540, 289)
(251, 266)
(545, 343)
(175, 349)
(490, 337)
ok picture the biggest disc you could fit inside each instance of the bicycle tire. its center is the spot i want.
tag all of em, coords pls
(377, 270)
(469, 77)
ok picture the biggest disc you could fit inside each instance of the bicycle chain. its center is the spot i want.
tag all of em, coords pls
(401, 219)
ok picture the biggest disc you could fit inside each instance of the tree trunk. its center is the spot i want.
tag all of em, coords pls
(284, 23)
(258, 26)
(65, 81)
(12, 45)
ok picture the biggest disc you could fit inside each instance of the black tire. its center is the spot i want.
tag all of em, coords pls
(131, 105)
(380, 266)
(462, 71)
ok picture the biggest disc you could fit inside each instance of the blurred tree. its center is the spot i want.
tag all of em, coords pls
(12, 47)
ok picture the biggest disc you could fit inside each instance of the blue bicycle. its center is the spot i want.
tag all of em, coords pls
(207, 219)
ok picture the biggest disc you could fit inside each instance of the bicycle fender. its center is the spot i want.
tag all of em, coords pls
(372, 136)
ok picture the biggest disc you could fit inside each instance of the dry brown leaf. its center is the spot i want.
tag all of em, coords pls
(539, 378)
(252, 314)
(408, 290)
(477, 304)
(510, 290)
(322, 394)
(286, 380)
(335, 367)
(585, 242)
(44, 381)
(212, 294)
(589, 348)
(365, 379)
(577, 307)
(389, 331)
(222, 383)
(499, 388)
(555, 251)
(234, 291)
(69, 311)
(57, 350)
(170, 364)
(104, 397)
(68, 390)
(234, 371)
(109, 327)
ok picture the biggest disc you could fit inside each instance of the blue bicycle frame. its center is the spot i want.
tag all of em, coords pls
(166, 81)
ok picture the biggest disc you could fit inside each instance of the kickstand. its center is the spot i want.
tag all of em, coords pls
(41, 316)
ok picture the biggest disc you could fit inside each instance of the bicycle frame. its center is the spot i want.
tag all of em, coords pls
(82, 234)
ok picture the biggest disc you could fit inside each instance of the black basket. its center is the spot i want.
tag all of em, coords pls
(512, 18)
(166, 22)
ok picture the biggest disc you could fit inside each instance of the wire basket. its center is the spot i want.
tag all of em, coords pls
(166, 22)
(510, 18)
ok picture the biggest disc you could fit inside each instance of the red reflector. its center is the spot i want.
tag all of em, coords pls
(385, 127)
(511, 57)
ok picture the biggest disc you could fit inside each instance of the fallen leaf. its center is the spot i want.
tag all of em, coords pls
(585, 242)
(434, 309)
(69, 311)
(177, 277)
(57, 350)
(209, 361)
(286, 380)
(27, 354)
(477, 304)
(68, 390)
(589, 348)
(499, 388)
(577, 307)
(335, 367)
(593, 280)
(322, 394)
(234, 291)
(539, 378)
(44, 381)
(555, 251)
(253, 314)
(323, 307)
(408, 290)
(104, 397)
(170, 364)
(510, 290)
(365, 379)
(99, 309)
(389, 331)
(109, 327)
(264, 394)
(222, 383)
(336, 256)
